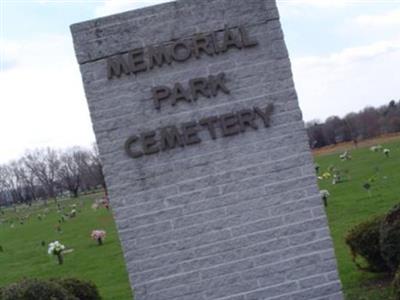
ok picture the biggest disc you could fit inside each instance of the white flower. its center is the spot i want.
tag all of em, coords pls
(376, 148)
(345, 156)
(324, 193)
(55, 248)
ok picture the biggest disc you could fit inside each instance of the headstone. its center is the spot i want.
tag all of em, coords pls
(205, 153)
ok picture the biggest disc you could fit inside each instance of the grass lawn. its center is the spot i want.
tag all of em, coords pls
(350, 204)
(24, 256)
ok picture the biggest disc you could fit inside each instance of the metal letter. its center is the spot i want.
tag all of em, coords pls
(181, 51)
(190, 131)
(230, 40)
(217, 83)
(136, 61)
(160, 93)
(229, 124)
(247, 117)
(128, 147)
(199, 86)
(170, 137)
(210, 123)
(203, 43)
(116, 66)
(215, 42)
(159, 55)
(149, 144)
(179, 93)
(265, 114)
(246, 39)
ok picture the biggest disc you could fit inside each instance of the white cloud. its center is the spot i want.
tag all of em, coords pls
(42, 100)
(320, 3)
(331, 3)
(349, 80)
(109, 7)
(351, 55)
(390, 18)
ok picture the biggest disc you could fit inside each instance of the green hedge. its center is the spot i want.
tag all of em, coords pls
(54, 289)
(390, 238)
(396, 286)
(83, 290)
(364, 241)
(29, 289)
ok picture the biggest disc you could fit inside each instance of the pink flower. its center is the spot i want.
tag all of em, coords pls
(98, 235)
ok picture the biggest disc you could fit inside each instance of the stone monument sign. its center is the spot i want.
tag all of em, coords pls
(205, 153)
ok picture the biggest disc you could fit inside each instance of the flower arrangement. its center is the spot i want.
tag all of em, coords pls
(376, 148)
(95, 206)
(99, 236)
(56, 248)
(324, 195)
(326, 175)
(345, 156)
(72, 214)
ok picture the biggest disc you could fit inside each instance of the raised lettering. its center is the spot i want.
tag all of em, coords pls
(203, 43)
(247, 117)
(160, 93)
(210, 124)
(217, 83)
(128, 147)
(265, 114)
(190, 131)
(170, 138)
(229, 124)
(136, 61)
(246, 39)
(149, 144)
(181, 51)
(179, 93)
(116, 66)
(158, 56)
(217, 49)
(199, 86)
(230, 40)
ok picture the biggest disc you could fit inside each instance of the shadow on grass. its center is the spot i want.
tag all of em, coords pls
(377, 288)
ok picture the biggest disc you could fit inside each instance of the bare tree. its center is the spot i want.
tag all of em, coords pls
(44, 165)
(25, 179)
(96, 168)
(73, 164)
(6, 185)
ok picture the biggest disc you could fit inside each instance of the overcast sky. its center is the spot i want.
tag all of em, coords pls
(345, 56)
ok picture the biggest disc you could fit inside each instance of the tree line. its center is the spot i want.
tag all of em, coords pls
(48, 173)
(368, 123)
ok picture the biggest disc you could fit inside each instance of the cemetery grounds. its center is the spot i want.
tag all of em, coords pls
(350, 203)
(25, 232)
